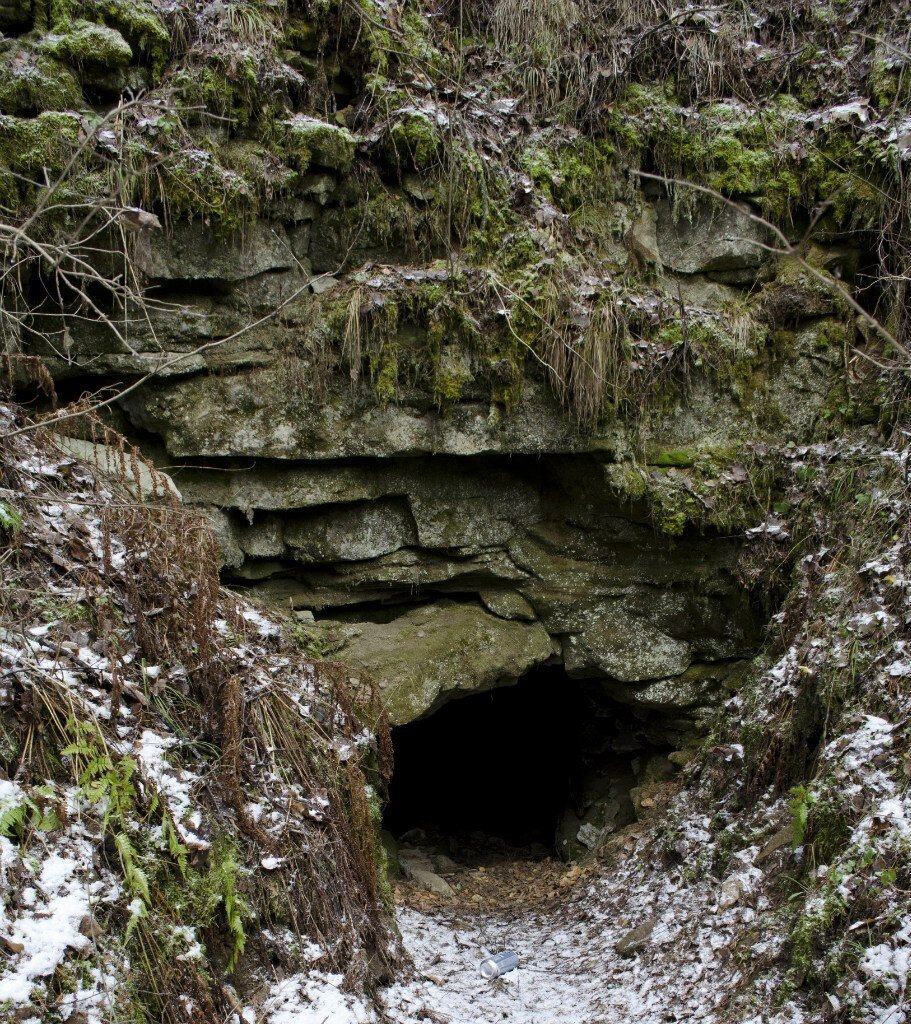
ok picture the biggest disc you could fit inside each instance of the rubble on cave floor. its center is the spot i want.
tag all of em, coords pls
(487, 876)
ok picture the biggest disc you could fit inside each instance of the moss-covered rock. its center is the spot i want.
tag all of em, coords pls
(311, 141)
(15, 15)
(189, 252)
(86, 43)
(32, 82)
(47, 141)
(711, 239)
(137, 21)
(571, 170)
(413, 140)
(666, 458)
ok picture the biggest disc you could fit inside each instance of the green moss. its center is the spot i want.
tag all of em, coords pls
(728, 348)
(27, 145)
(575, 174)
(9, 193)
(385, 374)
(507, 380)
(229, 89)
(414, 141)
(32, 82)
(518, 251)
(672, 508)
(630, 122)
(627, 480)
(84, 42)
(448, 386)
(673, 457)
(810, 933)
(768, 154)
(301, 35)
(419, 42)
(475, 196)
(136, 20)
(195, 183)
(384, 868)
(885, 80)
(371, 43)
(740, 149)
(310, 140)
(312, 641)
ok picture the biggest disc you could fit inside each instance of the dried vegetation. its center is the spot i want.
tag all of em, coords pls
(212, 785)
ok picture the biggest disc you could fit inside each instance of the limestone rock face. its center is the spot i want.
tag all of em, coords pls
(716, 240)
(613, 643)
(700, 686)
(189, 252)
(444, 575)
(443, 650)
(254, 412)
(138, 479)
(428, 506)
(351, 533)
(507, 604)
(642, 237)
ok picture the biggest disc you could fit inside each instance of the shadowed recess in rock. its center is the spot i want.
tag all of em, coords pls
(550, 761)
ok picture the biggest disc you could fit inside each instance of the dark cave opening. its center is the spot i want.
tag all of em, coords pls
(526, 765)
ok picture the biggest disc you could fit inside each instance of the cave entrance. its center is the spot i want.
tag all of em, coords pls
(535, 765)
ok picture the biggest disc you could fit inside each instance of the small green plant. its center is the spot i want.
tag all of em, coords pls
(802, 800)
(108, 784)
(18, 815)
(176, 848)
(53, 609)
(234, 907)
(10, 519)
(312, 641)
(200, 895)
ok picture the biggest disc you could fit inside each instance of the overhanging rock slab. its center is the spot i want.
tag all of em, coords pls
(443, 650)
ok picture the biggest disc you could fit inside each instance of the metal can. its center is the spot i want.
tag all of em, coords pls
(499, 964)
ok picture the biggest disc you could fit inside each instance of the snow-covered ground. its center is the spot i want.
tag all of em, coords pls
(571, 970)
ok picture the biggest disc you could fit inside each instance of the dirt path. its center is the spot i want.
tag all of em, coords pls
(565, 924)
(638, 938)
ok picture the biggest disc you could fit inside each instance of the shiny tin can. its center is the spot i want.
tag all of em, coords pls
(499, 964)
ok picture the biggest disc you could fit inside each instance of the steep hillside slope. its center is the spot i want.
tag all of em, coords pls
(184, 797)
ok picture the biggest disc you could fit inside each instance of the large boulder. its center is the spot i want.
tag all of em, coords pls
(610, 641)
